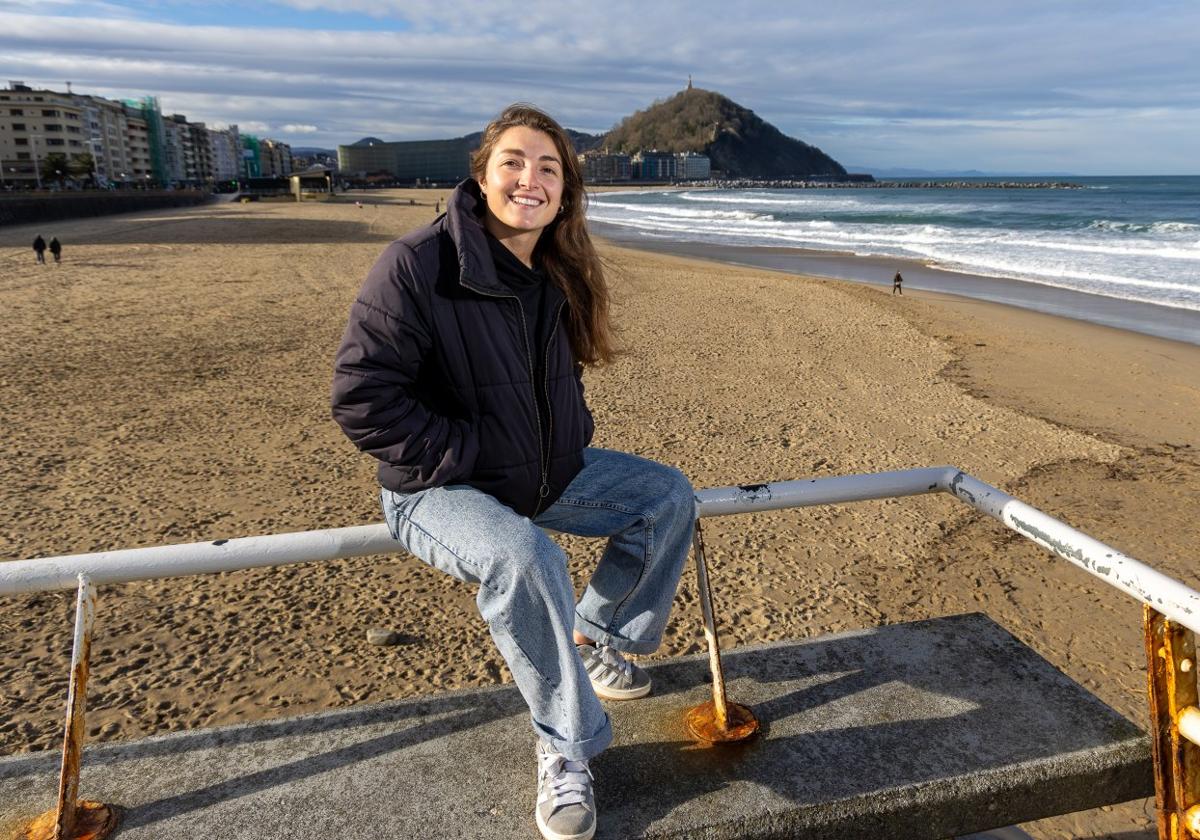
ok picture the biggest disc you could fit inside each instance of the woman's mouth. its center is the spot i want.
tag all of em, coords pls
(526, 201)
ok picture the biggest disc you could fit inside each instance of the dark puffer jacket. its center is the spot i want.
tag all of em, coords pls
(435, 379)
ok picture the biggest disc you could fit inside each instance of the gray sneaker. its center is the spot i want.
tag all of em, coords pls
(613, 676)
(566, 808)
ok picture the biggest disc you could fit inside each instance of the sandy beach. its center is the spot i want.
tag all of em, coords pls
(169, 383)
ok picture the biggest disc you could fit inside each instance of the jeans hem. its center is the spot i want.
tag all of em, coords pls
(607, 637)
(579, 750)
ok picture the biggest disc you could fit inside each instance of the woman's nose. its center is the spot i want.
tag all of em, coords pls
(528, 176)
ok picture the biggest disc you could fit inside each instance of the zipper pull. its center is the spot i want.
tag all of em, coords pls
(544, 490)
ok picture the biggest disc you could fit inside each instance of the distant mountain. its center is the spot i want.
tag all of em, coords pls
(368, 141)
(905, 172)
(735, 139)
(312, 151)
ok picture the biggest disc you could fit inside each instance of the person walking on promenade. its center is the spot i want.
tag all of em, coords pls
(897, 281)
(39, 248)
(437, 210)
(56, 249)
(461, 371)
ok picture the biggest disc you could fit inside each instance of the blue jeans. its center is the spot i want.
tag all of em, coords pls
(646, 510)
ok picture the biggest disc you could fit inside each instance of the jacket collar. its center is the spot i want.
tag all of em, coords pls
(464, 213)
(476, 268)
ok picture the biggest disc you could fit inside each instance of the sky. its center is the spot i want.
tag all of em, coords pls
(1087, 87)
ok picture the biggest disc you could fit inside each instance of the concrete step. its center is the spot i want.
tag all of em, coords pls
(925, 730)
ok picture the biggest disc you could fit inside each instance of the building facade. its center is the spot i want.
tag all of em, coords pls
(128, 143)
(601, 167)
(690, 166)
(35, 124)
(417, 160)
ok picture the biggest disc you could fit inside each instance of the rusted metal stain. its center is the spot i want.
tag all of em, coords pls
(705, 723)
(93, 821)
(1171, 689)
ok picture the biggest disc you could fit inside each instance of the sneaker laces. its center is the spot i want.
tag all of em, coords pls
(564, 782)
(612, 657)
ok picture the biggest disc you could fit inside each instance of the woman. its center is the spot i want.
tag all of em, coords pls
(460, 370)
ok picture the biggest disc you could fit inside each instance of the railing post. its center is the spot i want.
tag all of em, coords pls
(71, 817)
(1171, 683)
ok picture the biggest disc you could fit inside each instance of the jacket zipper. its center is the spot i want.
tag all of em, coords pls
(543, 456)
(545, 488)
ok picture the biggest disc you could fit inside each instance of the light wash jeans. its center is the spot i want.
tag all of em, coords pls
(646, 509)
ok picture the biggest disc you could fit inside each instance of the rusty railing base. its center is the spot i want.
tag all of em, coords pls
(93, 821)
(704, 723)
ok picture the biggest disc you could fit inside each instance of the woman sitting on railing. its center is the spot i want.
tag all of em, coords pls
(461, 371)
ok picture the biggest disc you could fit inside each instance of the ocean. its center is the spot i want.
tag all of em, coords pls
(1127, 240)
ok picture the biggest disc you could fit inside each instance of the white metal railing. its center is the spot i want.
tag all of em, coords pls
(1172, 608)
(1172, 598)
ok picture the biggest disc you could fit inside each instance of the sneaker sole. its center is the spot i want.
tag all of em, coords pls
(608, 693)
(552, 835)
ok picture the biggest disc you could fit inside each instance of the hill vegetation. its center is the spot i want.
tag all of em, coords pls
(735, 139)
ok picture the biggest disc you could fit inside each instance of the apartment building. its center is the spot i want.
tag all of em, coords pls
(34, 124)
(601, 167)
(131, 143)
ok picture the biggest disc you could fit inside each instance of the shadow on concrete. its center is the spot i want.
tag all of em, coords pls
(926, 730)
(970, 743)
(468, 714)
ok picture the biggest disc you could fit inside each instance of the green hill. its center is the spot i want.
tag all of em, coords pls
(735, 139)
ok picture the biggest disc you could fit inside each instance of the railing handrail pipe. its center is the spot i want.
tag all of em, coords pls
(1172, 598)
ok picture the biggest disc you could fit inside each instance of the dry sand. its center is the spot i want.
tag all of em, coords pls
(169, 383)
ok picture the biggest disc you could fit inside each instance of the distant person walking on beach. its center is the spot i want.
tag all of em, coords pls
(897, 282)
(56, 249)
(461, 371)
(438, 208)
(39, 248)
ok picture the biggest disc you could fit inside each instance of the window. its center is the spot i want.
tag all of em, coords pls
(16, 112)
(22, 155)
(21, 141)
(18, 126)
(49, 112)
(53, 127)
(73, 129)
(71, 116)
(75, 143)
(55, 141)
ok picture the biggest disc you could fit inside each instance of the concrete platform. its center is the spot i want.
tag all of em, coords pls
(924, 730)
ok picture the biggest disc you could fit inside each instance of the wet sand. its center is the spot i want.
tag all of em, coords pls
(169, 383)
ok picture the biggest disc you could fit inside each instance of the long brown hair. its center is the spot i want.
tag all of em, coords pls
(564, 250)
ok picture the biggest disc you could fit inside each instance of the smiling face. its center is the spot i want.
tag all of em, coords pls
(523, 182)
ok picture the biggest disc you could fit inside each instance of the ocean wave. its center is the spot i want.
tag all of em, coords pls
(1144, 227)
(652, 211)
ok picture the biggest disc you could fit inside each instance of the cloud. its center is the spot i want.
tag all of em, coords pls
(931, 77)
